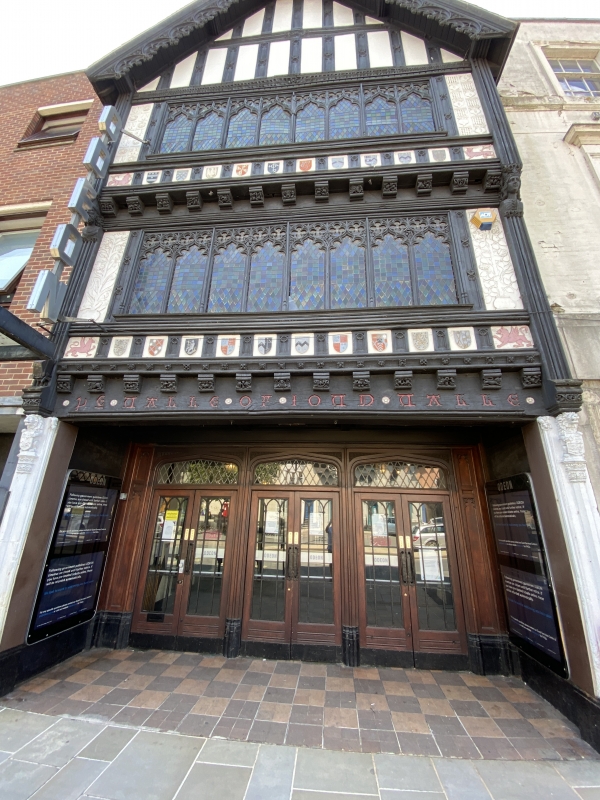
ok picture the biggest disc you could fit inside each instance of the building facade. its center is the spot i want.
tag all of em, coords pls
(310, 329)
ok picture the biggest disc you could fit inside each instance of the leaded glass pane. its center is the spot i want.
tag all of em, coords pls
(310, 124)
(188, 280)
(392, 273)
(266, 279)
(435, 277)
(151, 284)
(227, 283)
(208, 132)
(296, 473)
(177, 135)
(400, 475)
(242, 129)
(198, 471)
(307, 285)
(348, 279)
(275, 126)
(416, 115)
(344, 120)
(381, 117)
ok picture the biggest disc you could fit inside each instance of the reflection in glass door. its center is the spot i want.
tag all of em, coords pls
(206, 557)
(316, 562)
(268, 584)
(165, 563)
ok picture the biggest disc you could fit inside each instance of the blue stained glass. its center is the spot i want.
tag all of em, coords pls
(310, 124)
(151, 284)
(227, 283)
(416, 115)
(242, 129)
(348, 281)
(344, 120)
(435, 277)
(381, 117)
(392, 273)
(275, 126)
(208, 132)
(177, 135)
(188, 280)
(266, 279)
(307, 286)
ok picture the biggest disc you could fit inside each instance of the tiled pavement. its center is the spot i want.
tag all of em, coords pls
(368, 710)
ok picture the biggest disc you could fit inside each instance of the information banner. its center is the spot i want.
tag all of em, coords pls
(73, 570)
(526, 582)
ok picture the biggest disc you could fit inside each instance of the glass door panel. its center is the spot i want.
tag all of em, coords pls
(316, 562)
(270, 556)
(206, 557)
(165, 556)
(433, 587)
(383, 589)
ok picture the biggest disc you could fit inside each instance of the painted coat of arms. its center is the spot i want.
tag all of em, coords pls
(379, 342)
(371, 160)
(463, 339)
(340, 342)
(152, 177)
(264, 345)
(212, 172)
(155, 346)
(191, 346)
(338, 162)
(120, 347)
(301, 345)
(420, 340)
(273, 167)
(227, 345)
(241, 170)
(306, 164)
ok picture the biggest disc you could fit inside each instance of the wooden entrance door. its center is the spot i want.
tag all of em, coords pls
(410, 597)
(186, 561)
(292, 586)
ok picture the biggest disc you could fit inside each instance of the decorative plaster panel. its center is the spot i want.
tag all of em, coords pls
(104, 274)
(137, 123)
(468, 113)
(496, 271)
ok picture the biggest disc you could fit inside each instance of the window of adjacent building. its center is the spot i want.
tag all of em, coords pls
(15, 249)
(307, 266)
(578, 77)
(57, 124)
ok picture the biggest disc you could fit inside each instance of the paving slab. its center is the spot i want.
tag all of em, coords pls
(19, 779)
(460, 780)
(108, 744)
(69, 782)
(409, 773)
(60, 743)
(273, 774)
(17, 728)
(215, 780)
(219, 751)
(580, 773)
(326, 770)
(524, 781)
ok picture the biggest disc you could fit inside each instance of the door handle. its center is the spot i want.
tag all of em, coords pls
(189, 557)
(411, 561)
(292, 562)
(404, 569)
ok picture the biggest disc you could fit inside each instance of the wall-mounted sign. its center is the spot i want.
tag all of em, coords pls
(70, 583)
(532, 618)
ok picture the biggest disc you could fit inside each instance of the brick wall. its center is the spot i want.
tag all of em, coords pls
(36, 175)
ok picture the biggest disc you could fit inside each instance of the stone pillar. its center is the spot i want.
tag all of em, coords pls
(37, 440)
(580, 521)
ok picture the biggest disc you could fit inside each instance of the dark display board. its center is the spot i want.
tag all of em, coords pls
(532, 619)
(72, 574)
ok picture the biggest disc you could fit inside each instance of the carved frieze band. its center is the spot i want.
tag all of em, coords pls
(496, 271)
(104, 274)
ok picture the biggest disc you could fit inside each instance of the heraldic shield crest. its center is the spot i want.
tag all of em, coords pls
(379, 342)
(191, 346)
(227, 345)
(241, 170)
(420, 340)
(155, 346)
(462, 339)
(340, 342)
(301, 345)
(265, 345)
(273, 167)
(120, 347)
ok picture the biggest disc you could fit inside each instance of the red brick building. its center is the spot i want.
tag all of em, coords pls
(47, 125)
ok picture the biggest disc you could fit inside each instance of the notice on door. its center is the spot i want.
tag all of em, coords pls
(71, 580)
(525, 580)
(170, 526)
(272, 522)
(379, 524)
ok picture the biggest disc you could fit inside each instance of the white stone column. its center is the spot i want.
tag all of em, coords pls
(580, 519)
(37, 440)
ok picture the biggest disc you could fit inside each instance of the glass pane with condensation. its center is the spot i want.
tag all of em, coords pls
(214, 66)
(161, 579)
(296, 473)
(198, 471)
(400, 475)
(382, 577)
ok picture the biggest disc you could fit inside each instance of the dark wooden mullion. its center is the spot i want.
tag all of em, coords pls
(456, 234)
(370, 271)
(226, 124)
(360, 39)
(287, 271)
(208, 275)
(129, 269)
(262, 60)
(195, 122)
(327, 281)
(157, 124)
(297, 13)
(361, 111)
(326, 117)
(246, 285)
(230, 64)
(295, 55)
(439, 121)
(259, 115)
(199, 67)
(414, 283)
(397, 51)
(293, 114)
(169, 284)
(328, 14)
(268, 18)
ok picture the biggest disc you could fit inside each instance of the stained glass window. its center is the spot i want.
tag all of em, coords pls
(242, 129)
(348, 280)
(227, 285)
(266, 279)
(416, 115)
(151, 284)
(275, 126)
(381, 118)
(344, 122)
(177, 135)
(188, 280)
(208, 132)
(434, 272)
(392, 273)
(310, 124)
(307, 285)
